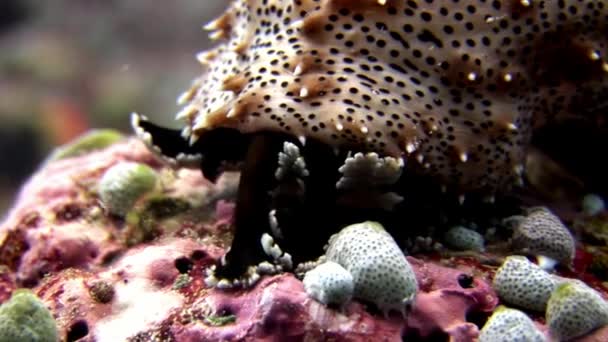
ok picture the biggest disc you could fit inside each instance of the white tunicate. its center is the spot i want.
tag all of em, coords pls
(593, 204)
(380, 270)
(329, 283)
(574, 310)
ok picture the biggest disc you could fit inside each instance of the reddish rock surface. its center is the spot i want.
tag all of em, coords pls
(147, 305)
(102, 286)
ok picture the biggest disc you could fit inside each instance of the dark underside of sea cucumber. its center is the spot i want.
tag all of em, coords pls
(308, 213)
(306, 219)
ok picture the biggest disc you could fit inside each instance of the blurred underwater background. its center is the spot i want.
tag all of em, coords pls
(68, 65)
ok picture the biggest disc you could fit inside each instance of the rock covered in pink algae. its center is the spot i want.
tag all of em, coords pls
(443, 303)
(102, 285)
(146, 307)
(58, 221)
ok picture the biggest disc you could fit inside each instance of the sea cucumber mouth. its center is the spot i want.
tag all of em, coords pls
(219, 150)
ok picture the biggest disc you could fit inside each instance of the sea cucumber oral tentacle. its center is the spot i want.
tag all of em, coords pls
(305, 237)
(168, 143)
(216, 151)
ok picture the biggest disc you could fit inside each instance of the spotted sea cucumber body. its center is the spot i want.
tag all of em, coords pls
(455, 87)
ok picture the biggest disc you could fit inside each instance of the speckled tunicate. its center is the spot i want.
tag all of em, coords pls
(463, 238)
(574, 310)
(510, 325)
(380, 271)
(542, 234)
(329, 283)
(522, 283)
(123, 184)
(24, 318)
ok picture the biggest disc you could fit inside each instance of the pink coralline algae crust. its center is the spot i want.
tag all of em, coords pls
(53, 215)
(146, 307)
(599, 335)
(442, 304)
(7, 284)
(142, 299)
(58, 221)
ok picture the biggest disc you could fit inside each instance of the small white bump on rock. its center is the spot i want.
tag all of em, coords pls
(266, 267)
(329, 283)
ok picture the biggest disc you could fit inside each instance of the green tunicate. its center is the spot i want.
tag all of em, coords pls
(219, 321)
(329, 283)
(123, 184)
(593, 204)
(90, 141)
(524, 284)
(24, 318)
(542, 234)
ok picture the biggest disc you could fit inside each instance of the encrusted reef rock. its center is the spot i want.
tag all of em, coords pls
(59, 220)
(507, 325)
(141, 277)
(101, 285)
